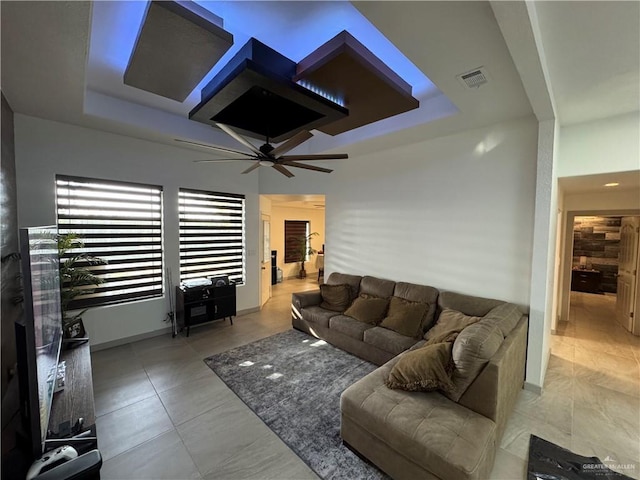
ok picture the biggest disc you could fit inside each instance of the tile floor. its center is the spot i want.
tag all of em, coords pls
(163, 414)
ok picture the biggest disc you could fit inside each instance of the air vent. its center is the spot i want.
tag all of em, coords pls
(474, 78)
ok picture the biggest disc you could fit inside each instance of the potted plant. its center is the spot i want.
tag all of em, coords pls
(304, 249)
(75, 277)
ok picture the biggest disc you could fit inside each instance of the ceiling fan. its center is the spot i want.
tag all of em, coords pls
(269, 156)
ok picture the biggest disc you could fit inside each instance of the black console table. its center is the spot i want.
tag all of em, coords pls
(203, 304)
(586, 281)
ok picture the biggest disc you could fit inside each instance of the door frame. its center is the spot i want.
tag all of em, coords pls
(264, 217)
(567, 255)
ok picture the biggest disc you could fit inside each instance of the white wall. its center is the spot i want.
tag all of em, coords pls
(543, 257)
(454, 212)
(45, 148)
(608, 145)
(316, 223)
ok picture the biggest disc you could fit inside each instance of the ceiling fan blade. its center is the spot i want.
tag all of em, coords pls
(308, 167)
(290, 144)
(239, 138)
(283, 170)
(252, 167)
(329, 156)
(214, 147)
(213, 160)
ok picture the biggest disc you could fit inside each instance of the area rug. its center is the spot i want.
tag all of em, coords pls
(548, 461)
(293, 382)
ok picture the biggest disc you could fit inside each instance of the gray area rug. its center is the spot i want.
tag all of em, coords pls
(293, 383)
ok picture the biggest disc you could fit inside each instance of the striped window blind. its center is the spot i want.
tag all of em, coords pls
(120, 222)
(212, 235)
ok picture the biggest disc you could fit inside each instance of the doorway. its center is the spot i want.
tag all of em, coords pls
(281, 208)
(603, 297)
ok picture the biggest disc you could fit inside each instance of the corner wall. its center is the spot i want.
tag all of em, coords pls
(9, 238)
(45, 148)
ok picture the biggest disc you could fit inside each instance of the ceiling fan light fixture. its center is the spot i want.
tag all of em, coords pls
(266, 163)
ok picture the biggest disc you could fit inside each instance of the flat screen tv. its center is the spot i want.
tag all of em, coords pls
(39, 332)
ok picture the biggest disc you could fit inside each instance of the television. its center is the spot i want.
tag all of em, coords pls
(38, 333)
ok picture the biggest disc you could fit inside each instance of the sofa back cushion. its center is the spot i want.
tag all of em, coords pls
(421, 294)
(505, 317)
(377, 287)
(344, 278)
(368, 309)
(335, 297)
(472, 349)
(467, 304)
(405, 317)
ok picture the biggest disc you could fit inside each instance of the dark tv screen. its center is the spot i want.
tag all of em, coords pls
(39, 334)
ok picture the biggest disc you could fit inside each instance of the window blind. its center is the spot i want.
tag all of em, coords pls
(212, 235)
(120, 222)
(294, 230)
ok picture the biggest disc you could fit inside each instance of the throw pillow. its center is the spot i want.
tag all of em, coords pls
(450, 323)
(368, 309)
(405, 317)
(473, 348)
(423, 369)
(335, 297)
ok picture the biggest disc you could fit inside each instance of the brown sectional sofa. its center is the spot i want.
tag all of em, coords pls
(420, 434)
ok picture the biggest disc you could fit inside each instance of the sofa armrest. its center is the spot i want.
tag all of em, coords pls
(302, 300)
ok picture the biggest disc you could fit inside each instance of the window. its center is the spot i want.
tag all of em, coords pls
(212, 235)
(120, 222)
(293, 231)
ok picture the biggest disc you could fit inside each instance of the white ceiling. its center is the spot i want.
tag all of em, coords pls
(591, 50)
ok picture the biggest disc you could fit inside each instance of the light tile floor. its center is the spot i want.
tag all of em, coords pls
(162, 414)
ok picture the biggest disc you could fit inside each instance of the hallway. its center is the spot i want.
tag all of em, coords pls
(595, 363)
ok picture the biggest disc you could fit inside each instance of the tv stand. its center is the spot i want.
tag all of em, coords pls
(74, 402)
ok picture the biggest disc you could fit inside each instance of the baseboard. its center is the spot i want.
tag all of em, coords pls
(154, 333)
(131, 339)
(533, 388)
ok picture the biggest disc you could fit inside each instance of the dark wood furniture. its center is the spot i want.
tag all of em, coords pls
(586, 281)
(204, 304)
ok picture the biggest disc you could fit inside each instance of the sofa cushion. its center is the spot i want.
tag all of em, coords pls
(368, 309)
(405, 317)
(335, 297)
(467, 304)
(449, 324)
(345, 279)
(388, 340)
(444, 438)
(349, 326)
(377, 287)
(505, 317)
(420, 294)
(318, 315)
(472, 350)
(423, 370)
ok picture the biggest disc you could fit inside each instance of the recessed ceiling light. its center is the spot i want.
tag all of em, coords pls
(612, 184)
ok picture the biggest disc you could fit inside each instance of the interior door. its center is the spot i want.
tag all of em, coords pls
(626, 300)
(265, 260)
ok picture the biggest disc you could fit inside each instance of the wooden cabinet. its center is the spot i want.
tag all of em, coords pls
(586, 281)
(204, 304)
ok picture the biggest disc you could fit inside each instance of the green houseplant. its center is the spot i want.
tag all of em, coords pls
(75, 277)
(303, 249)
